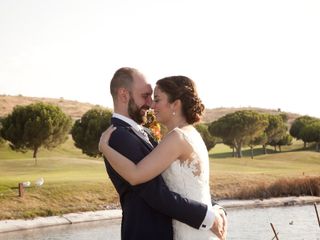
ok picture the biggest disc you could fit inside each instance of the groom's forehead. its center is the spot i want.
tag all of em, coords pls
(145, 89)
(141, 84)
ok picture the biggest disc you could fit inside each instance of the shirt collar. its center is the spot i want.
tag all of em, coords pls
(131, 122)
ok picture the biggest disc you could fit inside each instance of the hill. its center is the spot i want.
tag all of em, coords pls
(214, 114)
(76, 109)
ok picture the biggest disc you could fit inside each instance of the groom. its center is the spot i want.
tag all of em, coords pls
(148, 208)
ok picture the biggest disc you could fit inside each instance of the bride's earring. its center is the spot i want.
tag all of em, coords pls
(173, 113)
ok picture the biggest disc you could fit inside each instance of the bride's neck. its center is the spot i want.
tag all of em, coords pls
(176, 122)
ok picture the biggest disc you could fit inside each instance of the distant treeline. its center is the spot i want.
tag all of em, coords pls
(249, 129)
(45, 125)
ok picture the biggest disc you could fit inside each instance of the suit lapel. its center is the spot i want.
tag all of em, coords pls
(151, 139)
(140, 135)
(118, 122)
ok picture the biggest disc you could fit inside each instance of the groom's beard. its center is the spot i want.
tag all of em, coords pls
(135, 112)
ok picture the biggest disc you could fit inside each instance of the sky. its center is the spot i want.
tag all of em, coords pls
(255, 53)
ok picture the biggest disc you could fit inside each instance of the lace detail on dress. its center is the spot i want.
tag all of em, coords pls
(190, 178)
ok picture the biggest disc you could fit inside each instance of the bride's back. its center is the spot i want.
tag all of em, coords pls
(190, 178)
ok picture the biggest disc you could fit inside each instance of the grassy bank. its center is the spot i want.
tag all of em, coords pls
(231, 176)
(75, 182)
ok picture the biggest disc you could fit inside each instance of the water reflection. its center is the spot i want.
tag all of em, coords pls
(293, 223)
(97, 230)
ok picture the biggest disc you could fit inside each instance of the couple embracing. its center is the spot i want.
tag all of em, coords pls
(163, 188)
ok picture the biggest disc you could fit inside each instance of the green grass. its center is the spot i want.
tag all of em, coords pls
(75, 182)
(66, 149)
(231, 175)
(289, 164)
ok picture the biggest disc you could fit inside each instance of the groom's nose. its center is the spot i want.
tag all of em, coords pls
(149, 101)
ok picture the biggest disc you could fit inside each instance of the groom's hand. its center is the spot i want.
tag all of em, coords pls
(225, 223)
(217, 227)
(222, 221)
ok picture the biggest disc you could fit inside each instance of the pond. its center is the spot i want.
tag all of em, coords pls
(291, 223)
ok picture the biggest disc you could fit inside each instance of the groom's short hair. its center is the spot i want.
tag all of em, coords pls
(122, 78)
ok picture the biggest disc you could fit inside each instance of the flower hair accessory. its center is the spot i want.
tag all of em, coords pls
(151, 123)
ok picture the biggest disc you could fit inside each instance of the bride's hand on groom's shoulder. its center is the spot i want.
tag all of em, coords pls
(105, 136)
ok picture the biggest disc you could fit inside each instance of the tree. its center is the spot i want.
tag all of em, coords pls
(36, 125)
(297, 127)
(229, 142)
(275, 130)
(86, 131)
(239, 128)
(208, 139)
(218, 129)
(259, 140)
(311, 133)
(284, 141)
(1, 139)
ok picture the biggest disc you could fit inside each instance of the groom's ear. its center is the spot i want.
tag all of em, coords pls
(123, 95)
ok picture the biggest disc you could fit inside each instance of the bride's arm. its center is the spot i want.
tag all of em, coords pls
(169, 149)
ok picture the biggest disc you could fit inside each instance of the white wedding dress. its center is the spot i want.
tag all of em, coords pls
(190, 178)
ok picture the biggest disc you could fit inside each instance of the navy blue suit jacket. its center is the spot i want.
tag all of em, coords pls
(148, 208)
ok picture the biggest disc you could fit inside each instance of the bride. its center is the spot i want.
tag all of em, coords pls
(181, 157)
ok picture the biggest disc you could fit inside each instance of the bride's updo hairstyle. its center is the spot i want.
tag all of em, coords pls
(183, 88)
